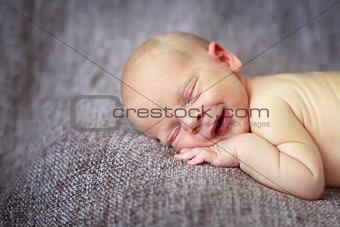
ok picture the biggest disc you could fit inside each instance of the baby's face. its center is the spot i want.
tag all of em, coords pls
(205, 93)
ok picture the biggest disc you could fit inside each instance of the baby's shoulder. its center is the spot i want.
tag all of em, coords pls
(273, 99)
(290, 87)
(268, 89)
(272, 84)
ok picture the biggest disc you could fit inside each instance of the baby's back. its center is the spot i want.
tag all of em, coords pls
(314, 98)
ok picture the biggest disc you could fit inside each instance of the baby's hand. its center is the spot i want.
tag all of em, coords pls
(223, 154)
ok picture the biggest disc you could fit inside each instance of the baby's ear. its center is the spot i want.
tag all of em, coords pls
(224, 57)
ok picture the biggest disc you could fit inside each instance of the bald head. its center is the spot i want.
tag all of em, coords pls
(138, 67)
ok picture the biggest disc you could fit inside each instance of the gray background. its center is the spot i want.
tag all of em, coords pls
(40, 74)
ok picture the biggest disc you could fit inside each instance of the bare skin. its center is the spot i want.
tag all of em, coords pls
(296, 152)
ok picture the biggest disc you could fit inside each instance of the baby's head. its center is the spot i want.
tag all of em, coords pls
(184, 90)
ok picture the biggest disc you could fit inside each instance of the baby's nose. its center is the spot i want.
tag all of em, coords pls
(191, 124)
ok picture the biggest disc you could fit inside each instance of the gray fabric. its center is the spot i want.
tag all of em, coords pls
(125, 179)
(52, 174)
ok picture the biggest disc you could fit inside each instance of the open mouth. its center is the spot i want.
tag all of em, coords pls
(222, 123)
(219, 122)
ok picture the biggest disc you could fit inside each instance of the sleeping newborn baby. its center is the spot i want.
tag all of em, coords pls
(283, 130)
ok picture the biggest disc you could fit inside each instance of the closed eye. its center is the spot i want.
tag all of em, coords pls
(189, 92)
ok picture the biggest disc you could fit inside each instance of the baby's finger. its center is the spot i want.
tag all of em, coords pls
(197, 159)
(189, 154)
(185, 150)
(205, 155)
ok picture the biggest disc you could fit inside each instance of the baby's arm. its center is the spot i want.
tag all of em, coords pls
(282, 156)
